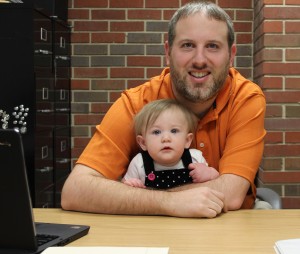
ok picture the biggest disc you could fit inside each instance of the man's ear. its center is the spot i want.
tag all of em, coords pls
(141, 141)
(232, 54)
(189, 139)
(167, 52)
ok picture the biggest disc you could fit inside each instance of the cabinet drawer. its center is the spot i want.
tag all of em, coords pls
(44, 167)
(45, 198)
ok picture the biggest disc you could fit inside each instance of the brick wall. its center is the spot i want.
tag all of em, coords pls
(118, 44)
(277, 70)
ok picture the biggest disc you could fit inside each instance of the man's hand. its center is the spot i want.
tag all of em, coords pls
(196, 202)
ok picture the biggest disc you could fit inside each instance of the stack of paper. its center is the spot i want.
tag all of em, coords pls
(289, 246)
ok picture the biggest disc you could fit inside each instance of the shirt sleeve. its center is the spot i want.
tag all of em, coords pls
(197, 156)
(113, 143)
(136, 169)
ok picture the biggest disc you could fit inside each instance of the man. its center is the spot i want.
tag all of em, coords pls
(200, 51)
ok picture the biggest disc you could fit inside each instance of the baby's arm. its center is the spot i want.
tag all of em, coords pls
(135, 173)
(134, 182)
(200, 172)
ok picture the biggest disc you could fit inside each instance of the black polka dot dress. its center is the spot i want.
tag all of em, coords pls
(167, 178)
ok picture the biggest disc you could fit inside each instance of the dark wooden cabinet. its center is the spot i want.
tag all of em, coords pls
(35, 93)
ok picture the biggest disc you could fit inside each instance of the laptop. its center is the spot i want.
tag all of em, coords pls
(18, 231)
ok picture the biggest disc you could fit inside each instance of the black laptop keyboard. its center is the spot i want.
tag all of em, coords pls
(42, 239)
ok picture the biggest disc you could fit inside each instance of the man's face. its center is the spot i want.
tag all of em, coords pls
(199, 58)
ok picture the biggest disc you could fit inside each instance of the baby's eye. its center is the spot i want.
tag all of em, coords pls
(174, 131)
(156, 132)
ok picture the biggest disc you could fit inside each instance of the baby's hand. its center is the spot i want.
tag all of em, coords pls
(134, 182)
(200, 172)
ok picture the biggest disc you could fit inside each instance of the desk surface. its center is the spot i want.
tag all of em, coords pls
(240, 232)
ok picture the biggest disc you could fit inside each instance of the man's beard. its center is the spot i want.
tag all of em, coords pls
(198, 92)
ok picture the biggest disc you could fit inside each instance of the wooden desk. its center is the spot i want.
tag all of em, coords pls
(240, 232)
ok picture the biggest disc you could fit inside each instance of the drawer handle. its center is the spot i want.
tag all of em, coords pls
(45, 170)
(43, 34)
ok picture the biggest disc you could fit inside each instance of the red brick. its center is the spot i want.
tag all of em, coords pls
(90, 72)
(273, 111)
(289, 124)
(80, 141)
(145, 14)
(127, 26)
(292, 137)
(80, 38)
(292, 163)
(108, 37)
(244, 15)
(271, 164)
(151, 72)
(292, 26)
(279, 177)
(126, 4)
(87, 119)
(127, 72)
(143, 60)
(291, 202)
(271, 82)
(286, 40)
(80, 84)
(243, 38)
(272, 26)
(281, 150)
(281, 68)
(100, 107)
(162, 4)
(292, 2)
(108, 84)
(243, 26)
(292, 54)
(292, 83)
(273, 137)
(78, 14)
(90, 26)
(282, 12)
(282, 96)
(271, 2)
(134, 83)
(76, 152)
(235, 3)
(113, 96)
(90, 3)
(167, 14)
(108, 14)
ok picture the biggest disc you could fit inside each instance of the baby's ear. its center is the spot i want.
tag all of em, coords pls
(189, 139)
(141, 141)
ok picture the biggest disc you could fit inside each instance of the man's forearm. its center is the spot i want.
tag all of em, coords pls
(106, 196)
(88, 191)
(232, 186)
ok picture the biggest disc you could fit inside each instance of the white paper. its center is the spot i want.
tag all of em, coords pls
(289, 246)
(106, 250)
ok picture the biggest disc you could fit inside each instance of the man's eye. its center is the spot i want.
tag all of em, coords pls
(212, 46)
(187, 45)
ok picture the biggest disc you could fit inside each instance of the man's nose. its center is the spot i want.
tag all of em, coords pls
(199, 58)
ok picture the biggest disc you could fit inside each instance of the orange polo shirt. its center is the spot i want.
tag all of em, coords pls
(230, 135)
